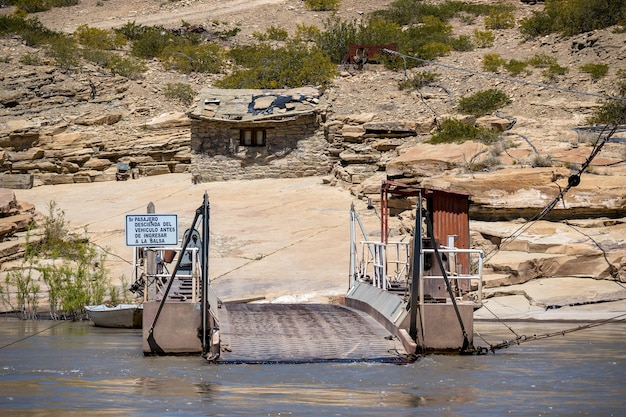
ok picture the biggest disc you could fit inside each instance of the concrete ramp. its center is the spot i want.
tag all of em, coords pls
(303, 333)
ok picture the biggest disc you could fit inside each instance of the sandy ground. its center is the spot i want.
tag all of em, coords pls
(285, 238)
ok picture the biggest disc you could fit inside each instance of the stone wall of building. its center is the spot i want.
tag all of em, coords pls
(294, 148)
(309, 157)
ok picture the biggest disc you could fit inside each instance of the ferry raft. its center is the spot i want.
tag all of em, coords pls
(405, 298)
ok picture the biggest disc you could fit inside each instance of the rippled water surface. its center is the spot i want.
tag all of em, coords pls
(69, 369)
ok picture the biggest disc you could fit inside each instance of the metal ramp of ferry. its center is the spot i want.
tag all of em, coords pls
(249, 332)
(302, 333)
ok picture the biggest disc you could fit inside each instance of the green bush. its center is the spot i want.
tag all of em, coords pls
(570, 17)
(151, 42)
(612, 112)
(462, 43)
(294, 65)
(553, 71)
(36, 6)
(457, 131)
(98, 56)
(99, 38)
(334, 41)
(596, 71)
(228, 33)
(427, 41)
(542, 61)
(64, 51)
(516, 67)
(181, 92)
(492, 62)
(132, 31)
(126, 67)
(76, 277)
(272, 33)
(499, 20)
(185, 58)
(484, 38)
(305, 33)
(410, 12)
(117, 64)
(32, 32)
(322, 5)
(483, 102)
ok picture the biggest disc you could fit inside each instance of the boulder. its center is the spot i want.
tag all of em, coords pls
(366, 156)
(169, 120)
(97, 164)
(351, 133)
(494, 123)
(425, 160)
(390, 128)
(98, 119)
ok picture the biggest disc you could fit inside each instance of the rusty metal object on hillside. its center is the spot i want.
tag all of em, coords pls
(358, 55)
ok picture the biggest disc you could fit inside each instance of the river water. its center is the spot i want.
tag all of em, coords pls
(52, 369)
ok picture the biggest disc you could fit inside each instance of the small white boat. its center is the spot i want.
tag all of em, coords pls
(122, 315)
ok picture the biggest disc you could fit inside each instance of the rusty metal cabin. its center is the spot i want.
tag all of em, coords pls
(247, 134)
(450, 214)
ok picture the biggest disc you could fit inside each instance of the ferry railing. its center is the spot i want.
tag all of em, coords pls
(158, 274)
(473, 278)
(387, 266)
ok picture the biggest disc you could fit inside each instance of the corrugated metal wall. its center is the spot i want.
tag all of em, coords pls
(450, 217)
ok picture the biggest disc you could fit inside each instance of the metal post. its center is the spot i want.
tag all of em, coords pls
(353, 248)
(206, 328)
(150, 265)
(415, 268)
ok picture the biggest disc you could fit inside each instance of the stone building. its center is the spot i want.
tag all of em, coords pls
(248, 134)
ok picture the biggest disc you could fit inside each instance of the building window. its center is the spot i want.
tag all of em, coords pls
(252, 137)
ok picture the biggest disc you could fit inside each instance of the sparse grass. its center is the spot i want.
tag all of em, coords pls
(418, 80)
(541, 161)
(485, 164)
(322, 5)
(542, 61)
(180, 91)
(30, 59)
